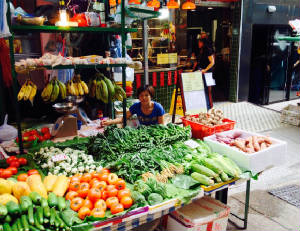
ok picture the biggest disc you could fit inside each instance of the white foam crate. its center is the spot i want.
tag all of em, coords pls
(256, 162)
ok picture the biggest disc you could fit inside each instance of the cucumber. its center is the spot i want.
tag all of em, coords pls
(25, 203)
(20, 227)
(44, 202)
(52, 216)
(6, 227)
(52, 200)
(14, 227)
(24, 222)
(32, 228)
(30, 215)
(37, 224)
(203, 170)
(61, 203)
(46, 211)
(202, 179)
(40, 214)
(13, 208)
(35, 197)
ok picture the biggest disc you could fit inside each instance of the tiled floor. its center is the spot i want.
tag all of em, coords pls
(281, 105)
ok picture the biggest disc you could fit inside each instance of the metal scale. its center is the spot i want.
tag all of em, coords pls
(66, 125)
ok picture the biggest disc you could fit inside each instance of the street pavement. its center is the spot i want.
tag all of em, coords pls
(267, 212)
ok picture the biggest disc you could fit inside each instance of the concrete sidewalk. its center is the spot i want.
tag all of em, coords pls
(267, 212)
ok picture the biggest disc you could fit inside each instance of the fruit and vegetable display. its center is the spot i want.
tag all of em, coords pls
(251, 144)
(76, 86)
(95, 178)
(211, 118)
(12, 165)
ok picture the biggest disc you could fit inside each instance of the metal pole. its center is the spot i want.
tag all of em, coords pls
(123, 55)
(14, 78)
(247, 204)
(145, 48)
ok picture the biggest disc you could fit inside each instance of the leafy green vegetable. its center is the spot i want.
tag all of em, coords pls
(70, 217)
(155, 198)
(157, 187)
(141, 187)
(184, 182)
(138, 198)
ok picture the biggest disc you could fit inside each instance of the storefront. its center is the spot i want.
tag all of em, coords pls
(263, 61)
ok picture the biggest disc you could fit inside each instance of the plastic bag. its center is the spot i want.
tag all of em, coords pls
(7, 132)
(4, 30)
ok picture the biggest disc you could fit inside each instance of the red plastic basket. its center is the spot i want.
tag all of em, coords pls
(199, 130)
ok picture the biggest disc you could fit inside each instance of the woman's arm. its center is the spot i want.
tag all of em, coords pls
(210, 65)
(160, 119)
(117, 120)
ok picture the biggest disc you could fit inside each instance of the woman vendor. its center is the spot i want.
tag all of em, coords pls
(148, 112)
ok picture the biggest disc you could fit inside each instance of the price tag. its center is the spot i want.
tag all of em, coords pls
(59, 157)
(191, 143)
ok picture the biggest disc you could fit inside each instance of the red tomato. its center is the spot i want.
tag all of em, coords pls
(13, 170)
(123, 193)
(112, 192)
(86, 177)
(111, 201)
(15, 164)
(1, 171)
(11, 159)
(34, 132)
(126, 202)
(104, 195)
(94, 194)
(104, 170)
(116, 208)
(104, 177)
(22, 161)
(120, 184)
(17, 139)
(32, 172)
(47, 136)
(6, 173)
(22, 177)
(32, 138)
(45, 130)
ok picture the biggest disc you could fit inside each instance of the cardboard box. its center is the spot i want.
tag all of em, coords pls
(255, 162)
(205, 214)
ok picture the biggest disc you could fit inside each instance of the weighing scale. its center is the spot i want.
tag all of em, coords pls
(66, 125)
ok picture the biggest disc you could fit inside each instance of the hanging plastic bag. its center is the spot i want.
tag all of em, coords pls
(7, 132)
(4, 30)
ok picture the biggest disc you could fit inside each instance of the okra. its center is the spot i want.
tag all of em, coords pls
(46, 211)
(202, 179)
(40, 214)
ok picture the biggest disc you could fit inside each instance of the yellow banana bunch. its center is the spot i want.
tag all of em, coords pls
(32, 92)
(22, 91)
(55, 91)
(84, 87)
(76, 90)
(27, 91)
(70, 88)
(46, 94)
(80, 89)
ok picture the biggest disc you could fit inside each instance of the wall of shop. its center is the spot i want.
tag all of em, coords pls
(255, 12)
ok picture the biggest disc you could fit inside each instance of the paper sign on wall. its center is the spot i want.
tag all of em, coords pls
(167, 58)
(209, 79)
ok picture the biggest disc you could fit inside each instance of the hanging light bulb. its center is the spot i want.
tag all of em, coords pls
(188, 5)
(172, 4)
(153, 3)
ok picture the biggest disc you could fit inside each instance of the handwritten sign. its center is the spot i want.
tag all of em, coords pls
(59, 157)
(193, 92)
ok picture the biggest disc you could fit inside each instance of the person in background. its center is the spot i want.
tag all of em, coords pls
(204, 63)
(148, 112)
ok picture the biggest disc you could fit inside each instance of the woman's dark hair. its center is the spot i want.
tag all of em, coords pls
(148, 88)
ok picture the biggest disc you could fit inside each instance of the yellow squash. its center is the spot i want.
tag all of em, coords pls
(5, 186)
(36, 185)
(49, 182)
(4, 198)
(21, 189)
(61, 185)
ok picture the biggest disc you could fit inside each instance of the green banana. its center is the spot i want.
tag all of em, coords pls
(121, 91)
(55, 92)
(98, 91)
(104, 91)
(110, 87)
(62, 89)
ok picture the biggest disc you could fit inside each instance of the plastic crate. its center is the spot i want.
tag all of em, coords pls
(291, 115)
(200, 130)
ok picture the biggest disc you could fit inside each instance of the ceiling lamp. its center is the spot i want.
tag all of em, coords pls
(137, 2)
(188, 5)
(153, 3)
(172, 4)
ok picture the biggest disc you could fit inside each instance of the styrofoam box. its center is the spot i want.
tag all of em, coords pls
(256, 162)
(205, 214)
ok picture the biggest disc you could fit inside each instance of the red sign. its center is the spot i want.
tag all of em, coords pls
(175, 77)
(162, 79)
(138, 80)
(154, 79)
(169, 78)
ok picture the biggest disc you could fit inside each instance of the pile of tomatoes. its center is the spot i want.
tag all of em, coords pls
(34, 134)
(13, 164)
(91, 194)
